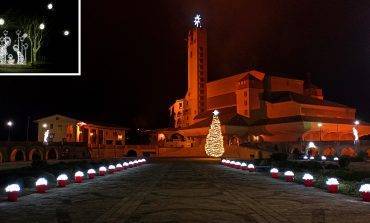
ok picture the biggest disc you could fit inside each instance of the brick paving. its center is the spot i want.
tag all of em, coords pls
(185, 191)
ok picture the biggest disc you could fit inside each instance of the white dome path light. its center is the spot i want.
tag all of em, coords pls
(102, 171)
(365, 192)
(251, 167)
(289, 176)
(13, 192)
(274, 173)
(79, 176)
(308, 180)
(119, 167)
(227, 163)
(62, 180)
(136, 163)
(238, 165)
(91, 174)
(111, 169)
(41, 185)
(333, 185)
(232, 164)
(125, 165)
(244, 166)
(2, 22)
(130, 164)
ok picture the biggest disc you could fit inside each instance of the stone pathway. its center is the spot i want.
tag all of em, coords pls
(185, 191)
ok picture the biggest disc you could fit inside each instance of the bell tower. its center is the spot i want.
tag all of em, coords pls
(197, 71)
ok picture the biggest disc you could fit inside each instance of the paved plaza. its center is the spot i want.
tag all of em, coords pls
(185, 191)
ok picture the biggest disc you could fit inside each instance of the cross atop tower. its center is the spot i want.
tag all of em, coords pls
(197, 21)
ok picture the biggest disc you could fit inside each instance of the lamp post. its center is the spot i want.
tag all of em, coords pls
(320, 125)
(10, 125)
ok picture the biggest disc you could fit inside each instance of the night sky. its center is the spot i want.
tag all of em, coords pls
(134, 56)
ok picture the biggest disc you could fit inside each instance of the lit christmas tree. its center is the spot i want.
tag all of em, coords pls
(214, 142)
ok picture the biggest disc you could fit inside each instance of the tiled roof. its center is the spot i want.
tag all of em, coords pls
(283, 96)
(229, 117)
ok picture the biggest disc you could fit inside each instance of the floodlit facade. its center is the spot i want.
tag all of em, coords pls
(256, 107)
(99, 138)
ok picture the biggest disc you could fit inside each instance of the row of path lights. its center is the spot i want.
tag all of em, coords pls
(308, 179)
(331, 183)
(13, 190)
(239, 165)
(323, 158)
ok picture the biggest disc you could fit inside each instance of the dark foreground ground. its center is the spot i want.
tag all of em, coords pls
(185, 191)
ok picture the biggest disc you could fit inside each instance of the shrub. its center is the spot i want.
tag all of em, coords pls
(331, 166)
(279, 157)
(361, 157)
(344, 162)
(29, 182)
(39, 164)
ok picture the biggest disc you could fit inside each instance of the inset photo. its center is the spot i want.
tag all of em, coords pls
(40, 38)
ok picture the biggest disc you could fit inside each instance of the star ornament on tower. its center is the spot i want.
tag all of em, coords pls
(215, 112)
(198, 21)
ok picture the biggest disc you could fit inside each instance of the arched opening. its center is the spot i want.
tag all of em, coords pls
(34, 155)
(177, 137)
(51, 154)
(350, 152)
(330, 151)
(234, 141)
(313, 151)
(17, 155)
(131, 153)
(1, 157)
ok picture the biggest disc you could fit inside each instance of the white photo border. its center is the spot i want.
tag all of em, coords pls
(56, 74)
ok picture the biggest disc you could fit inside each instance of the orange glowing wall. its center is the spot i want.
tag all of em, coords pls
(197, 73)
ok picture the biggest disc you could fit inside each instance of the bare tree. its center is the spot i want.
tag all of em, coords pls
(35, 35)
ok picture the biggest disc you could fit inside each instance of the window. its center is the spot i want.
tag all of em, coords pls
(119, 142)
(245, 93)
(180, 105)
(245, 102)
(201, 49)
(51, 126)
(109, 142)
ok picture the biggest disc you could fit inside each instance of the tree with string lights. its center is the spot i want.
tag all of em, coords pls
(214, 142)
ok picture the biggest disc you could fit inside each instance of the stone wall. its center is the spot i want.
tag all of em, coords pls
(30, 151)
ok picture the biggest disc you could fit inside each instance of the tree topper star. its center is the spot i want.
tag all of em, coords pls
(197, 21)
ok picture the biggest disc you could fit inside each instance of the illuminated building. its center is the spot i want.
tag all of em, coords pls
(257, 107)
(100, 138)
